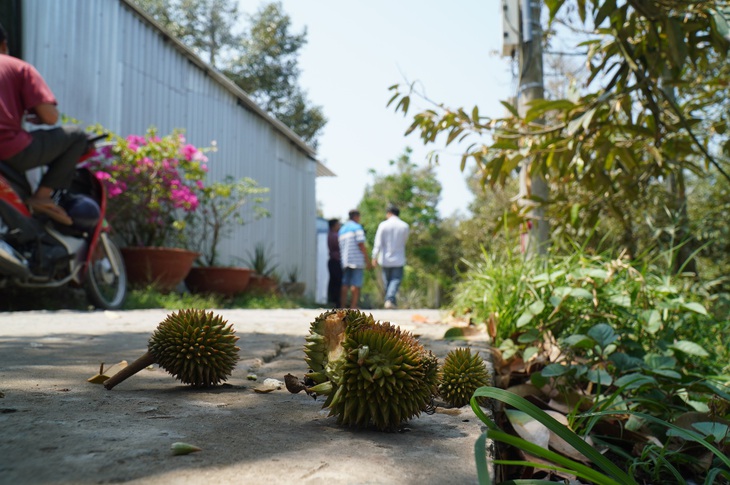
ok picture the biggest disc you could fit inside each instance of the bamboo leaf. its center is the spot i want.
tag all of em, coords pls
(607, 7)
(510, 108)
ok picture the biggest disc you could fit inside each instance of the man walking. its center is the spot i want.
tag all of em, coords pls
(354, 258)
(389, 251)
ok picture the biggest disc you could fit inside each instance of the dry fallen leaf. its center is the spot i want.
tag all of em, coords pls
(102, 376)
(559, 444)
(528, 428)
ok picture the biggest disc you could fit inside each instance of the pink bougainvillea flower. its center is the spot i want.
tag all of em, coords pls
(152, 182)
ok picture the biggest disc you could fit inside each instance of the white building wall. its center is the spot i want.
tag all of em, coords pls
(106, 64)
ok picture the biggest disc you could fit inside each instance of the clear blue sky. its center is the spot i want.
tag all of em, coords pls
(357, 49)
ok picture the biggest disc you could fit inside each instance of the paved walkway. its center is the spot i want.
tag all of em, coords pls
(55, 427)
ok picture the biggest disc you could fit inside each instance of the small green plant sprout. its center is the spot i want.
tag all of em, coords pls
(194, 346)
(261, 260)
(292, 274)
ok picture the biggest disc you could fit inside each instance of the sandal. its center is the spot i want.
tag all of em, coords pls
(48, 208)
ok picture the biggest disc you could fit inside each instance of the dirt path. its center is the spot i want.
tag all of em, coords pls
(57, 428)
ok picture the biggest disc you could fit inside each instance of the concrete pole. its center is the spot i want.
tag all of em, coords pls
(531, 88)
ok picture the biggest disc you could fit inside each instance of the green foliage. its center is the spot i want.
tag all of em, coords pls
(709, 215)
(631, 338)
(220, 210)
(664, 468)
(206, 26)
(567, 295)
(146, 298)
(494, 288)
(650, 115)
(265, 65)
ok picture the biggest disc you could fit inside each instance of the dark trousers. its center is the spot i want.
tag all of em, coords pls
(59, 148)
(334, 287)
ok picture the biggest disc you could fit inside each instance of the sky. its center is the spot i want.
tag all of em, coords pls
(356, 50)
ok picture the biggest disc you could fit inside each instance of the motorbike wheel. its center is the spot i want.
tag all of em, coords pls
(106, 276)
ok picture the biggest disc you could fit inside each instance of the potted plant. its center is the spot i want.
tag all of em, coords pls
(261, 261)
(293, 287)
(152, 183)
(222, 207)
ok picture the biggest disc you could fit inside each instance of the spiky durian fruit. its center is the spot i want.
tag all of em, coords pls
(372, 373)
(324, 342)
(384, 378)
(461, 375)
(196, 347)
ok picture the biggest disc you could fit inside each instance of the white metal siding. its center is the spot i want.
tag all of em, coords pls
(107, 65)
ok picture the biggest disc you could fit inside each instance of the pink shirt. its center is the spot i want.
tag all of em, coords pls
(21, 89)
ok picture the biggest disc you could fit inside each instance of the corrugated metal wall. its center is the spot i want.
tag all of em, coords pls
(107, 65)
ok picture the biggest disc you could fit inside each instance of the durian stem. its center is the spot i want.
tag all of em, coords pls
(145, 361)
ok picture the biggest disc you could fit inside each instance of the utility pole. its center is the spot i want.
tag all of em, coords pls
(531, 88)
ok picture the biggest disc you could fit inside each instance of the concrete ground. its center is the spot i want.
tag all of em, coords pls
(55, 427)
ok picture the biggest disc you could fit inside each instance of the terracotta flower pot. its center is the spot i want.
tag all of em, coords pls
(164, 268)
(294, 289)
(262, 284)
(220, 280)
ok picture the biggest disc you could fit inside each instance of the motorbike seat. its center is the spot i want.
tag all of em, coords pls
(16, 179)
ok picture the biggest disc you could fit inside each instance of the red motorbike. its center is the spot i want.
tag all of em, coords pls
(36, 252)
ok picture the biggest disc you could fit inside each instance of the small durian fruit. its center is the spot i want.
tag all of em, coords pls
(461, 375)
(196, 347)
(324, 342)
(383, 378)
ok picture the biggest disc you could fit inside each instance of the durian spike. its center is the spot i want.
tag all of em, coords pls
(143, 362)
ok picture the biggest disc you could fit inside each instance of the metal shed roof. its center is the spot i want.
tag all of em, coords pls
(243, 99)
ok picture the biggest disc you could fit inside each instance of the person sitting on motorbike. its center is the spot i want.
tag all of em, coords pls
(23, 92)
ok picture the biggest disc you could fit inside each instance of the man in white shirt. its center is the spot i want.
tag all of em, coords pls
(389, 250)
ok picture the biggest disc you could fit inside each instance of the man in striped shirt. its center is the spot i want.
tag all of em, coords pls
(354, 258)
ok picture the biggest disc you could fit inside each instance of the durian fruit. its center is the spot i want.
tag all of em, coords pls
(385, 378)
(196, 347)
(324, 342)
(373, 374)
(461, 375)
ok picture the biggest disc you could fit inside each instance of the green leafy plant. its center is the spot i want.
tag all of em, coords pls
(604, 470)
(261, 260)
(221, 209)
(292, 274)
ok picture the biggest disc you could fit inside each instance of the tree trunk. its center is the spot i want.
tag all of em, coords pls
(531, 88)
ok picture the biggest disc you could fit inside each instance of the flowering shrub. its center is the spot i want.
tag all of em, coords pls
(152, 183)
(221, 209)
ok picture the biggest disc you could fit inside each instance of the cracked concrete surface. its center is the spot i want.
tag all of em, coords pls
(55, 427)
